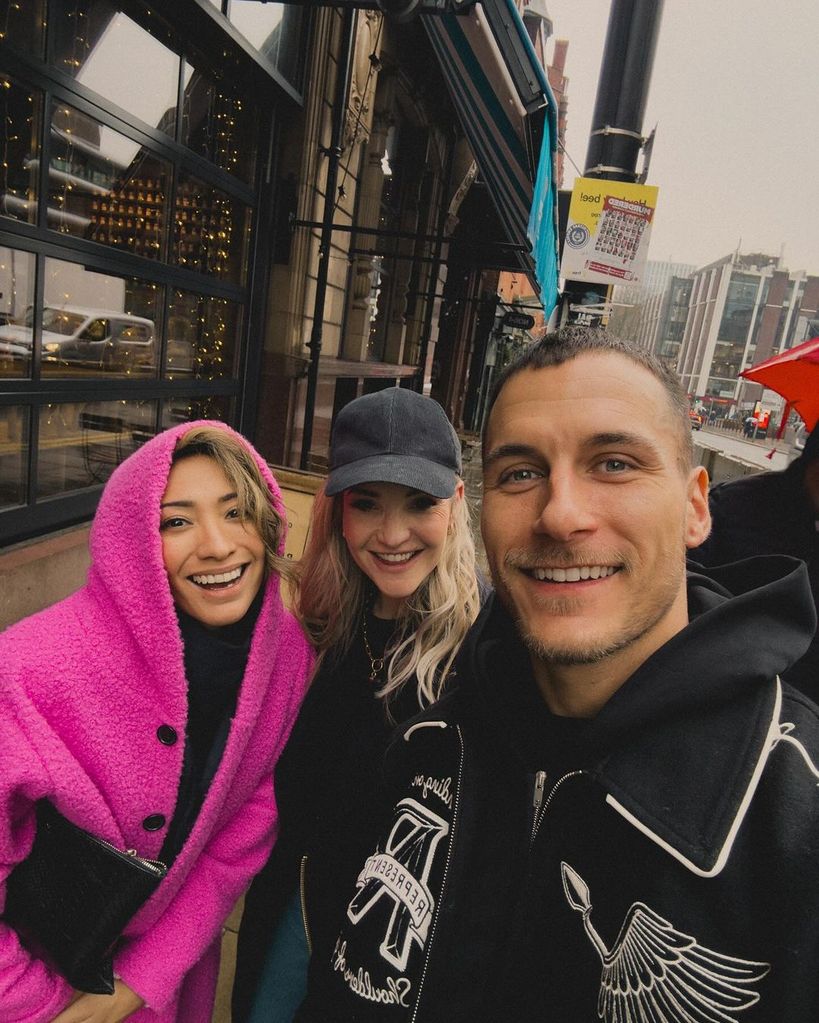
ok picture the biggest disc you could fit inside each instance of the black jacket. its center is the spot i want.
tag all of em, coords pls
(768, 513)
(327, 785)
(654, 865)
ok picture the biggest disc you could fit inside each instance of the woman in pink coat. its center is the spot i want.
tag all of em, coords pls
(149, 708)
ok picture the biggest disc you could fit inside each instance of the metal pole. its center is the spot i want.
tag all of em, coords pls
(333, 160)
(435, 268)
(617, 123)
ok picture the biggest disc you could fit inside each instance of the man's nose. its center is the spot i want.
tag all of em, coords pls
(568, 509)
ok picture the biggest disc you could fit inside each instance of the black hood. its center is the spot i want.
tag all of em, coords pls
(680, 743)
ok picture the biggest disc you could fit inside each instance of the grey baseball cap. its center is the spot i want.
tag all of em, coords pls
(394, 436)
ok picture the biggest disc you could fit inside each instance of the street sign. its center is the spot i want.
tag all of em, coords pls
(521, 321)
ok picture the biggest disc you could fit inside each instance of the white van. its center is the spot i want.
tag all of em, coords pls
(75, 335)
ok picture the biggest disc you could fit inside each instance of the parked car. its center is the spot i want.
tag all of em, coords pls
(695, 419)
(88, 337)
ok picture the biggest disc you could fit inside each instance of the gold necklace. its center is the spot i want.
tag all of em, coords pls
(376, 663)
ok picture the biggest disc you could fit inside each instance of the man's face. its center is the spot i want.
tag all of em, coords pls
(587, 511)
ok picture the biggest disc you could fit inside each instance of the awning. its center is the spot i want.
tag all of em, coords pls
(509, 116)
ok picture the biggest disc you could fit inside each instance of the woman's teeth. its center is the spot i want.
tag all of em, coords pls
(217, 580)
(395, 559)
(573, 575)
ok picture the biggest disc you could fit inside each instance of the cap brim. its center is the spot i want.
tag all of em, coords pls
(405, 470)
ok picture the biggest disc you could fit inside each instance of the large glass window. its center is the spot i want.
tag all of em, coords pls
(274, 30)
(132, 269)
(22, 23)
(203, 337)
(107, 52)
(219, 126)
(106, 187)
(97, 323)
(81, 443)
(21, 112)
(16, 305)
(14, 443)
(211, 231)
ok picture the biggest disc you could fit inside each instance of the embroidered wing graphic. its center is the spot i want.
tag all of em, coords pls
(656, 974)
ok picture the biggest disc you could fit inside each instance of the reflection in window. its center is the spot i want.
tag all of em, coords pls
(81, 443)
(202, 337)
(22, 23)
(16, 302)
(97, 323)
(112, 55)
(14, 441)
(274, 30)
(104, 186)
(219, 126)
(185, 410)
(211, 231)
(20, 110)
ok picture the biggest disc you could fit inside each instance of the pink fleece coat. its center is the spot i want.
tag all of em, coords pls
(84, 686)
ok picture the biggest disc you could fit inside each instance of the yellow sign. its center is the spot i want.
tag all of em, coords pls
(608, 231)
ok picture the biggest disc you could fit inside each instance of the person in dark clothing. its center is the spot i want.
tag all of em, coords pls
(772, 513)
(387, 592)
(614, 815)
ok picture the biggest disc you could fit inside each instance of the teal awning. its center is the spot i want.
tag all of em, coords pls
(509, 116)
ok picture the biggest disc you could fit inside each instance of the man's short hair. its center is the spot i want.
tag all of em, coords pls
(569, 342)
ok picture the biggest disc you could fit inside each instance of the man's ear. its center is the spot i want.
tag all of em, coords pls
(698, 516)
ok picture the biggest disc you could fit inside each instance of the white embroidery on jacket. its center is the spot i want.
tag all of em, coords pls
(400, 873)
(785, 728)
(656, 974)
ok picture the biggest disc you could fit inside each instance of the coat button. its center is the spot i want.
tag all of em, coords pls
(166, 735)
(154, 822)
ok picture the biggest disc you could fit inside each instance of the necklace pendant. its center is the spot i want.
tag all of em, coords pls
(376, 667)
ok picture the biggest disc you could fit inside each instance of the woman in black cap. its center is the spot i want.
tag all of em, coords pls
(387, 593)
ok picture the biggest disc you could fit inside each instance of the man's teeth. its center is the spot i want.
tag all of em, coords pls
(395, 558)
(573, 575)
(213, 580)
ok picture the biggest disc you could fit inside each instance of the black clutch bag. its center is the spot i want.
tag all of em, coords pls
(70, 899)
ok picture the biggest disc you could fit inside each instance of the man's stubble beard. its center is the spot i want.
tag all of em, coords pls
(593, 653)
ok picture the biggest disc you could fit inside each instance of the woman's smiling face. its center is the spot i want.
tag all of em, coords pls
(396, 536)
(214, 556)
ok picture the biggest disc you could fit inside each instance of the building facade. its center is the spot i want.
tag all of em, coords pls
(743, 309)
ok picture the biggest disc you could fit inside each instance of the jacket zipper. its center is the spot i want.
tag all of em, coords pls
(540, 806)
(455, 807)
(537, 799)
(303, 901)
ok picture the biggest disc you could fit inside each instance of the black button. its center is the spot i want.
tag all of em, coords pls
(154, 822)
(166, 735)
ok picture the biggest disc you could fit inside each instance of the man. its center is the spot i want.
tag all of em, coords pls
(772, 513)
(614, 815)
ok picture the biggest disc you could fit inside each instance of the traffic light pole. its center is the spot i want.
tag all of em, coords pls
(616, 133)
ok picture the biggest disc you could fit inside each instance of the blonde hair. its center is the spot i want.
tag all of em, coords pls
(332, 593)
(242, 471)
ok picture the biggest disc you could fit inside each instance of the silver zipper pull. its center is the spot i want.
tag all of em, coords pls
(540, 789)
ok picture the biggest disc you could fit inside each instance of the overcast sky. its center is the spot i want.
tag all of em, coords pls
(735, 96)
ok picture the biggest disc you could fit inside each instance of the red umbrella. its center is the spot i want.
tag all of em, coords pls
(795, 375)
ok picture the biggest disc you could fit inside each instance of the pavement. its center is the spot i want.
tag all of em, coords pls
(749, 452)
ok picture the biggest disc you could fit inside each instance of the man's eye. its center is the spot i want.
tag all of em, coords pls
(615, 465)
(520, 476)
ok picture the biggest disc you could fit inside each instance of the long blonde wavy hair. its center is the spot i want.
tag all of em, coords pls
(332, 595)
